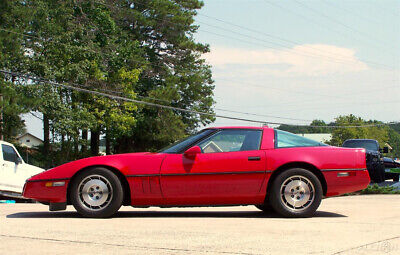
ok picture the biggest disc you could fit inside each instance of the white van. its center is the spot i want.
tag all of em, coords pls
(13, 171)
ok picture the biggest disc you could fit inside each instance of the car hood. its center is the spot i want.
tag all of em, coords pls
(127, 164)
(33, 168)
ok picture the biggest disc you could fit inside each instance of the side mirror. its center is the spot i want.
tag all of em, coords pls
(385, 150)
(18, 160)
(192, 151)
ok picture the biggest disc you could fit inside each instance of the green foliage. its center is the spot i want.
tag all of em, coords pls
(387, 134)
(138, 48)
(376, 189)
(307, 129)
(12, 106)
(394, 140)
(339, 135)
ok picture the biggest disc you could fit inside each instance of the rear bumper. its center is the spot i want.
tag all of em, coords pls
(345, 181)
(40, 190)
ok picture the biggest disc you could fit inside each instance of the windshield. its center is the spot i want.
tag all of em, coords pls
(179, 146)
(366, 144)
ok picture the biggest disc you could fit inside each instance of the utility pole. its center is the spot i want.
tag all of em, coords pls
(1, 117)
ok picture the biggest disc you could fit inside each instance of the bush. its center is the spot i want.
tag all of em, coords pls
(376, 189)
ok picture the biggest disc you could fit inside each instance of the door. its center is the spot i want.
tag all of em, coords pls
(230, 170)
(12, 178)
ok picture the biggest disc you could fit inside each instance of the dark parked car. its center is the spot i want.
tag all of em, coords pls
(374, 158)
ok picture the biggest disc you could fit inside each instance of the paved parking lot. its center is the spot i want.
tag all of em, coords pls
(344, 225)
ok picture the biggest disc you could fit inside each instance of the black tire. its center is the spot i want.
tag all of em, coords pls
(104, 193)
(396, 178)
(379, 175)
(301, 186)
(266, 207)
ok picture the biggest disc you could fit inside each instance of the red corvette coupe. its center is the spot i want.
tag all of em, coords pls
(265, 167)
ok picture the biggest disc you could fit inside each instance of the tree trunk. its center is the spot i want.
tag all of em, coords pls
(94, 142)
(108, 143)
(46, 139)
(84, 142)
(62, 142)
(76, 143)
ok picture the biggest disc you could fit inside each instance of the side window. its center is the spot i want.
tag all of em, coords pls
(9, 153)
(287, 140)
(232, 140)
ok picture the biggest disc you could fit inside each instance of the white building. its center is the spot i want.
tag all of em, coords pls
(322, 138)
(29, 140)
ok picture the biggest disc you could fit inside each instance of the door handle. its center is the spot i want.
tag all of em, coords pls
(256, 158)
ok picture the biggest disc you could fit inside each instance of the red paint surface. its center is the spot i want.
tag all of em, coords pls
(173, 179)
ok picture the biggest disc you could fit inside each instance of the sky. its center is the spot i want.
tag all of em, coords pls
(293, 61)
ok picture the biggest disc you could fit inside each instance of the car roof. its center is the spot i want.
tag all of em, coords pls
(6, 143)
(360, 140)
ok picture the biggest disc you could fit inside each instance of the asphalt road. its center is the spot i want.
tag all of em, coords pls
(344, 225)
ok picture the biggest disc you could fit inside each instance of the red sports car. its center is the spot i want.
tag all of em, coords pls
(258, 166)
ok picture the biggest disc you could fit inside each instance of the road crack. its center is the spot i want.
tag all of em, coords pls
(366, 245)
(124, 245)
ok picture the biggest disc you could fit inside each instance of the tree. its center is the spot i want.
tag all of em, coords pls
(339, 135)
(141, 49)
(394, 140)
(176, 74)
(307, 129)
(12, 106)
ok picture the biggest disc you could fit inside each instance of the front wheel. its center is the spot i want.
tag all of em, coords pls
(96, 193)
(296, 192)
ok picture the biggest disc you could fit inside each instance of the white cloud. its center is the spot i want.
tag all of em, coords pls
(307, 59)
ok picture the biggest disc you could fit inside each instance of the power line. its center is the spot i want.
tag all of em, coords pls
(329, 3)
(215, 108)
(304, 53)
(336, 21)
(104, 90)
(323, 28)
(163, 65)
(343, 58)
(232, 111)
(291, 103)
(40, 79)
(258, 85)
(155, 64)
(296, 52)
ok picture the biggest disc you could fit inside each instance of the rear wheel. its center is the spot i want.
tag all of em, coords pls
(96, 193)
(379, 174)
(296, 192)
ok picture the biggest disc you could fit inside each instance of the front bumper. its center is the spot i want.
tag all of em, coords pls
(40, 190)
